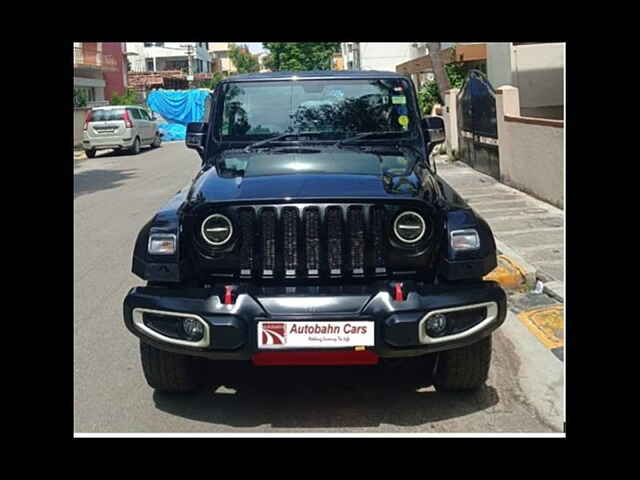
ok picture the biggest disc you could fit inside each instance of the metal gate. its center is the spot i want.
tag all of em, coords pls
(477, 124)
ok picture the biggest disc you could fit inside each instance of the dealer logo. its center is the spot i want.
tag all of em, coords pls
(274, 334)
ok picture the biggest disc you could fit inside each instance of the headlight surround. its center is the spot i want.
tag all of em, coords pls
(464, 240)
(409, 227)
(162, 244)
(217, 230)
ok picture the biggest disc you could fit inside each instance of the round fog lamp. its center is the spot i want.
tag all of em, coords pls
(193, 328)
(436, 324)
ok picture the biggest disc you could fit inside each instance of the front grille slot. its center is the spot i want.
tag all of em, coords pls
(334, 240)
(247, 229)
(355, 221)
(377, 233)
(290, 227)
(268, 224)
(311, 220)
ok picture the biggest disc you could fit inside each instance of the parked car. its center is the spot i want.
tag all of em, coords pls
(317, 232)
(121, 127)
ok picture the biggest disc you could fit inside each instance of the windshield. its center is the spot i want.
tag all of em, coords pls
(107, 115)
(331, 109)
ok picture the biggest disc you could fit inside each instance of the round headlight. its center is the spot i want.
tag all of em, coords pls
(217, 230)
(409, 227)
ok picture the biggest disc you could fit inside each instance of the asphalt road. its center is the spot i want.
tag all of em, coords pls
(114, 195)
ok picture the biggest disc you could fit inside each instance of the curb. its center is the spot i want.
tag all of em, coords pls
(508, 274)
(528, 271)
(555, 290)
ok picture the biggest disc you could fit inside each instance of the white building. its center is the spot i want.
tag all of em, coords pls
(219, 54)
(383, 56)
(190, 57)
(536, 69)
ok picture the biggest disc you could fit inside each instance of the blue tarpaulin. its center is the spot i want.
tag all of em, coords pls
(178, 107)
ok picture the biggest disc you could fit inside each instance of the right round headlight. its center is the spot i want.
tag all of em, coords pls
(217, 230)
(409, 227)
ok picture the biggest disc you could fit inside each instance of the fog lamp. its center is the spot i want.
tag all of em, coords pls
(436, 324)
(193, 328)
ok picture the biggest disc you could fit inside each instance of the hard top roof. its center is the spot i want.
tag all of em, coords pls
(329, 74)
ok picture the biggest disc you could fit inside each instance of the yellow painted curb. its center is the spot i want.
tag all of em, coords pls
(508, 274)
(546, 323)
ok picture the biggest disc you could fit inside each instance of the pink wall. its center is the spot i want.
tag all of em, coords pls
(115, 81)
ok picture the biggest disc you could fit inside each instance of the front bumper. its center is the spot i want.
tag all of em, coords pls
(231, 329)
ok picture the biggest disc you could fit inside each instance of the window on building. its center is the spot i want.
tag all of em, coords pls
(150, 65)
(159, 44)
(148, 44)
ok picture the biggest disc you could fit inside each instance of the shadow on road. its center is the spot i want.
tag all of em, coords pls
(325, 397)
(91, 181)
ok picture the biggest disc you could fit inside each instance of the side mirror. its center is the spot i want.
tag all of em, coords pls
(196, 134)
(433, 128)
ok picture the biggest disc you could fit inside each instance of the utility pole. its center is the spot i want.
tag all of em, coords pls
(189, 48)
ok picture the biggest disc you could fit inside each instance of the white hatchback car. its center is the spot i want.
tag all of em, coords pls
(119, 127)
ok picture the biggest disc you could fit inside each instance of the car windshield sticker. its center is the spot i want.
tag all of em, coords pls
(403, 120)
(399, 99)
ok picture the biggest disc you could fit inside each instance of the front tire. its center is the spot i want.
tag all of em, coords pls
(463, 369)
(170, 372)
(90, 153)
(157, 142)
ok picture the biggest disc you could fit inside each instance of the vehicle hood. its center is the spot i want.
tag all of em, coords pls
(210, 187)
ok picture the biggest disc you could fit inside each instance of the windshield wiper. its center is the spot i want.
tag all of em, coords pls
(363, 135)
(278, 137)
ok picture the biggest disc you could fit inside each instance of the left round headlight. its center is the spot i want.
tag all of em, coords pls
(409, 227)
(217, 230)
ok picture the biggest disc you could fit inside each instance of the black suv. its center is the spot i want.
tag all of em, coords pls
(317, 232)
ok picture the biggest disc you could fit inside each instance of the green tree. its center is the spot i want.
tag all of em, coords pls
(300, 56)
(79, 97)
(216, 78)
(242, 59)
(130, 97)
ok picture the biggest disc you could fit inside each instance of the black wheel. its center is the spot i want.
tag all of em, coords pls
(135, 148)
(464, 368)
(157, 142)
(170, 372)
(90, 153)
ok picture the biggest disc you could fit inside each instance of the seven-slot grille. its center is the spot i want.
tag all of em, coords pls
(311, 241)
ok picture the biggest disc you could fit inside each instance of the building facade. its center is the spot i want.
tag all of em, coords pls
(536, 69)
(383, 56)
(190, 58)
(99, 71)
(219, 54)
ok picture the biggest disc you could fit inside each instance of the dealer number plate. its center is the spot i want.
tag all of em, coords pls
(275, 335)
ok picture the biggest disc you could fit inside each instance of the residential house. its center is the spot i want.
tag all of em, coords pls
(420, 69)
(188, 57)
(378, 55)
(536, 69)
(98, 70)
(219, 54)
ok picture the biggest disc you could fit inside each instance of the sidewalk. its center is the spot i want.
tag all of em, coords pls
(527, 230)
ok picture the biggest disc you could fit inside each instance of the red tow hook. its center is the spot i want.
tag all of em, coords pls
(398, 295)
(228, 295)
